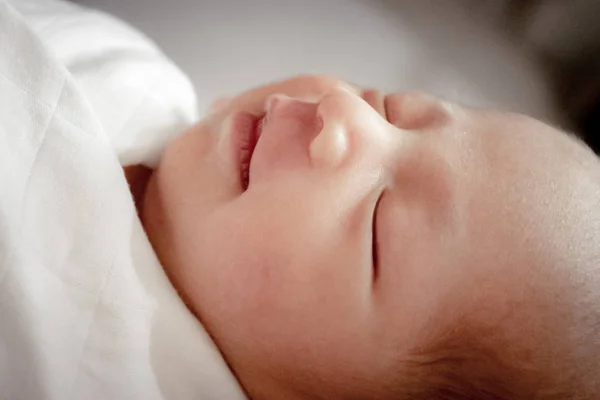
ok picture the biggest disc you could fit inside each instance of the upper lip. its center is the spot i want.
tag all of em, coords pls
(248, 139)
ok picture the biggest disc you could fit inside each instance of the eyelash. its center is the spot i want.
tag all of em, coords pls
(374, 242)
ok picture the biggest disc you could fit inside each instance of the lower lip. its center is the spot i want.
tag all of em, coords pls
(246, 130)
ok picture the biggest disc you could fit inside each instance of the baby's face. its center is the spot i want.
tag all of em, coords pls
(363, 225)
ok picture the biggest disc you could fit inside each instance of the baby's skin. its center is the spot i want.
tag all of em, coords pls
(334, 241)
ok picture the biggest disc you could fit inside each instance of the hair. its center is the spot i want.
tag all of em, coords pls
(473, 362)
(545, 347)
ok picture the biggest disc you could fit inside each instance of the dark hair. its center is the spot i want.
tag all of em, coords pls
(470, 363)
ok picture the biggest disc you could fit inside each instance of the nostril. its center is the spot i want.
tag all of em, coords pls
(281, 103)
(319, 123)
(272, 103)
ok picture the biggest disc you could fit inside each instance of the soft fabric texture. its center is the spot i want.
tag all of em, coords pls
(139, 96)
(86, 311)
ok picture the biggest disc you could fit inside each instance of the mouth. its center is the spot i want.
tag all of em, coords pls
(249, 131)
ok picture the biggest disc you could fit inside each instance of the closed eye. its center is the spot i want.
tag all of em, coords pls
(375, 241)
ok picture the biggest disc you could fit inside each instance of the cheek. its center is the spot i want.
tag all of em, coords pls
(280, 285)
(422, 275)
(262, 263)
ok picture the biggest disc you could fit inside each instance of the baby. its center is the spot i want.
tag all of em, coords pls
(342, 244)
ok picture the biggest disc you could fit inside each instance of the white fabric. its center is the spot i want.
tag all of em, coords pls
(140, 97)
(86, 311)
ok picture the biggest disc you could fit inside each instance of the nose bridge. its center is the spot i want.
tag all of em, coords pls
(417, 111)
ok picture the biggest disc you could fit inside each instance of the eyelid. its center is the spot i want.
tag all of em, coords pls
(374, 241)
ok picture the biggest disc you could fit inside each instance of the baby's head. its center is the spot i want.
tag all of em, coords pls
(374, 247)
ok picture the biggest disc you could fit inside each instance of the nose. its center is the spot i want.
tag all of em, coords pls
(417, 111)
(346, 122)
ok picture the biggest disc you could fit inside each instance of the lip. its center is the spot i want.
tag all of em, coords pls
(246, 130)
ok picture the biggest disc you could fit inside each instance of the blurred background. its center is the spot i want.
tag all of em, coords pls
(540, 57)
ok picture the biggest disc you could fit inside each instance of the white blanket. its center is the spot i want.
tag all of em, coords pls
(140, 97)
(86, 311)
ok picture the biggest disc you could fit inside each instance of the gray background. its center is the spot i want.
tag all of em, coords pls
(455, 49)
